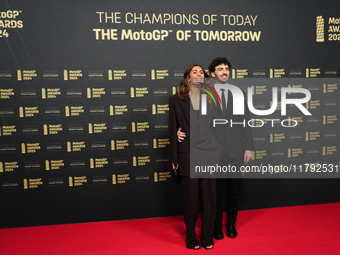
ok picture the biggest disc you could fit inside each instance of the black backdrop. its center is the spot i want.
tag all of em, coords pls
(84, 101)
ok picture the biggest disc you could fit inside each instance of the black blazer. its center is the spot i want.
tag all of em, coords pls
(200, 145)
(238, 138)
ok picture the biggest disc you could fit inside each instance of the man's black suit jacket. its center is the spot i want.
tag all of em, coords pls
(238, 138)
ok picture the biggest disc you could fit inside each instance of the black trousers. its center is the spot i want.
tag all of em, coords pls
(228, 188)
(191, 189)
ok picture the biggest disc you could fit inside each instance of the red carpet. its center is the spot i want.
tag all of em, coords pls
(312, 229)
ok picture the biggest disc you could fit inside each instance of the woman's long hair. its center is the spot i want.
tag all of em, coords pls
(184, 87)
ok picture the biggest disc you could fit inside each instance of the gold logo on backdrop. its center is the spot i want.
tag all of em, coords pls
(114, 179)
(330, 150)
(143, 160)
(134, 161)
(110, 75)
(43, 93)
(155, 143)
(155, 177)
(23, 148)
(25, 184)
(117, 74)
(277, 73)
(19, 75)
(8, 130)
(153, 74)
(307, 137)
(69, 147)
(323, 150)
(88, 92)
(113, 145)
(47, 165)
(65, 75)
(313, 72)
(289, 153)
(320, 29)
(90, 129)
(45, 130)
(260, 154)
(142, 126)
(312, 136)
(161, 74)
(330, 88)
(91, 163)
(21, 112)
(162, 143)
(120, 144)
(27, 74)
(271, 138)
(259, 90)
(111, 110)
(133, 127)
(132, 92)
(153, 109)
(67, 111)
(1, 167)
(174, 90)
(296, 152)
(119, 109)
(70, 181)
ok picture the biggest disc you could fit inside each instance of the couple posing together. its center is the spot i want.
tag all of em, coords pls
(234, 146)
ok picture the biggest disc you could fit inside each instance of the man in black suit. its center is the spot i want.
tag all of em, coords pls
(237, 143)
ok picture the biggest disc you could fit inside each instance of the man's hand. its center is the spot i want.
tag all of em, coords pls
(248, 155)
(180, 135)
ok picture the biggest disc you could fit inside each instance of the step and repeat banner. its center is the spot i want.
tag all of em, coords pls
(84, 90)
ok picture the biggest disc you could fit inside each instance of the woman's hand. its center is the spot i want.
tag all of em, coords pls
(174, 166)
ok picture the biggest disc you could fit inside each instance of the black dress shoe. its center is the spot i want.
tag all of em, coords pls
(218, 234)
(231, 231)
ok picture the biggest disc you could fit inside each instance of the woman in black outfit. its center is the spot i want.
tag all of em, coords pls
(201, 149)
